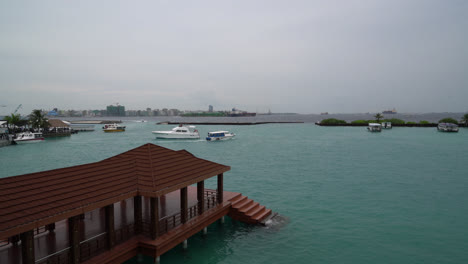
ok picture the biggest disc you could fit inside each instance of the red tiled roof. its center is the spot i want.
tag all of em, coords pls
(33, 200)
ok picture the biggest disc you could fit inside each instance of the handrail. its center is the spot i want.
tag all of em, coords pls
(51, 255)
(91, 238)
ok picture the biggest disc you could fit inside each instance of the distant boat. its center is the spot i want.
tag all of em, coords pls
(324, 113)
(447, 127)
(387, 125)
(374, 127)
(179, 132)
(393, 111)
(113, 128)
(28, 137)
(219, 135)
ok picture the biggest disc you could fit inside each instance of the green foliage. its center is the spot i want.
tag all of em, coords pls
(332, 121)
(13, 120)
(411, 123)
(38, 120)
(465, 118)
(360, 122)
(448, 120)
(395, 121)
(424, 122)
(378, 116)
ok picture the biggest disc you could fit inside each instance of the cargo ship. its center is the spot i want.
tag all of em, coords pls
(393, 111)
(235, 113)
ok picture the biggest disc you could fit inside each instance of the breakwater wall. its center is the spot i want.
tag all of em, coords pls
(230, 123)
(393, 125)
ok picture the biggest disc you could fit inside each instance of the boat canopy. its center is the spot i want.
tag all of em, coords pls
(374, 124)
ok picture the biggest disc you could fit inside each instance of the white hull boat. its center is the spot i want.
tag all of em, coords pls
(179, 132)
(28, 138)
(374, 127)
(220, 135)
(447, 127)
(113, 128)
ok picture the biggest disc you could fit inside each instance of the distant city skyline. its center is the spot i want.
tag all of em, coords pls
(285, 56)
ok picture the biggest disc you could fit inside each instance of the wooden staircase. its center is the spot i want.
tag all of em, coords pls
(247, 210)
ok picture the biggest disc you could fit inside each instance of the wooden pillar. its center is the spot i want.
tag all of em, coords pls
(220, 188)
(183, 205)
(201, 196)
(15, 239)
(110, 226)
(50, 227)
(27, 247)
(154, 204)
(74, 239)
(137, 214)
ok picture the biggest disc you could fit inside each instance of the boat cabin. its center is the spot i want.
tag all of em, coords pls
(374, 127)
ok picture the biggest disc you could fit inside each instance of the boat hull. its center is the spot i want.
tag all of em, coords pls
(113, 130)
(165, 135)
(27, 141)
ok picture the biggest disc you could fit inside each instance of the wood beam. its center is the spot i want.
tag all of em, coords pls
(27, 247)
(137, 214)
(220, 190)
(74, 239)
(110, 226)
(201, 196)
(183, 205)
(154, 206)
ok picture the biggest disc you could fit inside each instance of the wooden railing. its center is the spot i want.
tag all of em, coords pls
(59, 257)
(93, 246)
(125, 233)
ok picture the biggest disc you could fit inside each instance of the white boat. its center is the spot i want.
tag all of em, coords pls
(374, 127)
(28, 137)
(447, 127)
(113, 128)
(179, 132)
(387, 125)
(219, 135)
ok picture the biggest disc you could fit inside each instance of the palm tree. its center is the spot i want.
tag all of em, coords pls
(13, 120)
(465, 119)
(378, 116)
(38, 120)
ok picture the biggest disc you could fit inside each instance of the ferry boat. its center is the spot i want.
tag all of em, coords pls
(447, 127)
(178, 132)
(28, 137)
(374, 127)
(113, 128)
(393, 111)
(219, 135)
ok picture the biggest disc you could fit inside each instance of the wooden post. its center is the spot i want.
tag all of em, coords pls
(74, 239)
(220, 188)
(50, 227)
(137, 214)
(154, 204)
(183, 205)
(201, 197)
(110, 226)
(27, 247)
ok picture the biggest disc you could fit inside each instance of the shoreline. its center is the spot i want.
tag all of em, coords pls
(230, 123)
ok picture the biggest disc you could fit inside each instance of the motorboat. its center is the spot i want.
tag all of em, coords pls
(28, 137)
(113, 128)
(386, 125)
(374, 127)
(447, 127)
(219, 135)
(178, 132)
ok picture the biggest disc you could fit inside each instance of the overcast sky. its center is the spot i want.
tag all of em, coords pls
(306, 56)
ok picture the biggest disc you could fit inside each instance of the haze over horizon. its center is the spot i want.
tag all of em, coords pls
(287, 56)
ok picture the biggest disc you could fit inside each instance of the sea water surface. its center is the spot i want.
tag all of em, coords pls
(345, 195)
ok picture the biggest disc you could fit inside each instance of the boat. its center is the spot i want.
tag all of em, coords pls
(28, 137)
(219, 135)
(178, 132)
(447, 127)
(393, 111)
(113, 128)
(374, 127)
(387, 125)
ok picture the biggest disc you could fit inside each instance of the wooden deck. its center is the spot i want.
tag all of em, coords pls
(53, 245)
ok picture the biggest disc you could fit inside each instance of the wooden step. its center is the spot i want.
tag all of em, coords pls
(261, 215)
(255, 210)
(248, 207)
(268, 218)
(244, 204)
(239, 200)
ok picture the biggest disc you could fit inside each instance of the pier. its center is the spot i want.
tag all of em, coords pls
(144, 201)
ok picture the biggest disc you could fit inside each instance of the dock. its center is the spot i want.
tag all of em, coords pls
(140, 202)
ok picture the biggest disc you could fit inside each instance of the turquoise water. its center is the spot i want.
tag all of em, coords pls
(347, 196)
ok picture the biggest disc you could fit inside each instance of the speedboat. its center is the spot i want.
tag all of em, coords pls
(179, 132)
(447, 127)
(374, 127)
(28, 137)
(219, 135)
(113, 128)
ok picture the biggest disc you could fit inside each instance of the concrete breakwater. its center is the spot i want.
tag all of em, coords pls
(393, 125)
(230, 123)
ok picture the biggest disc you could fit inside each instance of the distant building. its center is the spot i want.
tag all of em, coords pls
(115, 110)
(210, 108)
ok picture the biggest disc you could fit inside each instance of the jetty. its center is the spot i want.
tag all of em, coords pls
(231, 123)
(140, 202)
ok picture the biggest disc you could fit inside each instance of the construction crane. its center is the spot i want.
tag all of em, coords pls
(17, 108)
